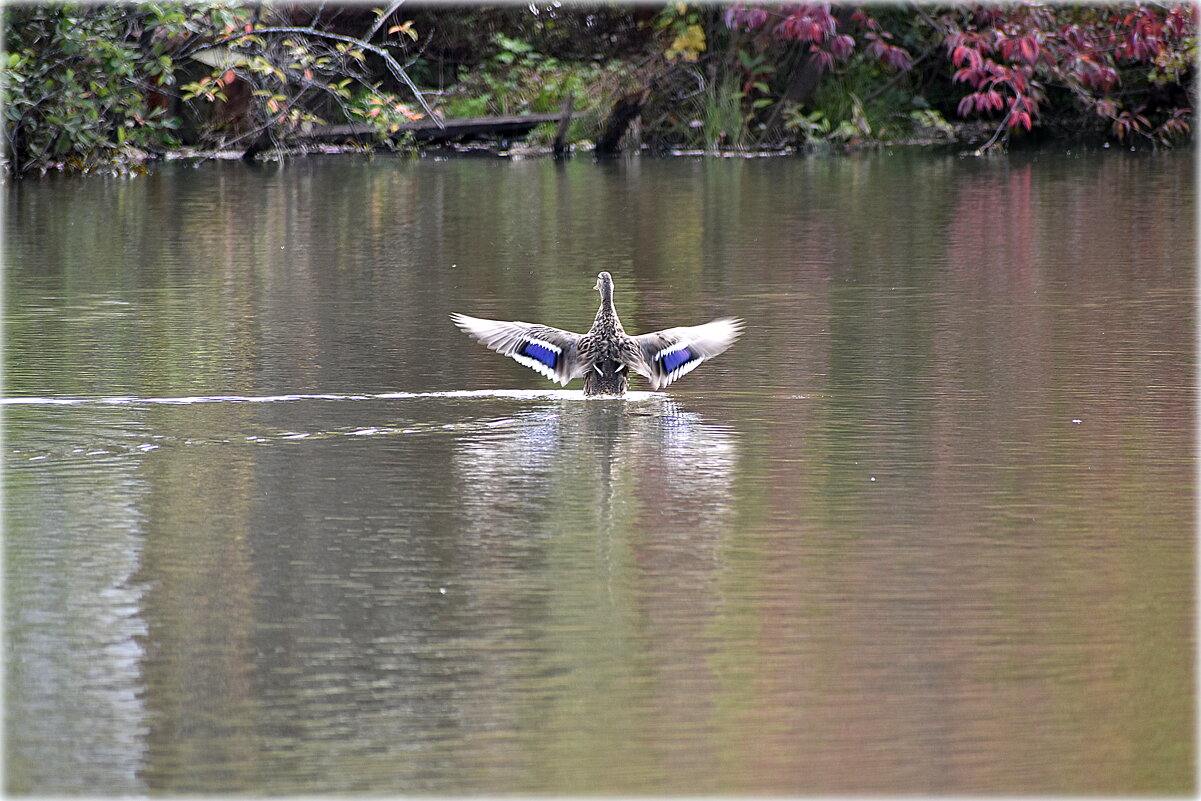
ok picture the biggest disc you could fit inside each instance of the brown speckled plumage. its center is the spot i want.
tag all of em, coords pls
(606, 354)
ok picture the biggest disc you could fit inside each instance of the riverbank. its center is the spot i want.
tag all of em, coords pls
(139, 163)
(680, 78)
(965, 139)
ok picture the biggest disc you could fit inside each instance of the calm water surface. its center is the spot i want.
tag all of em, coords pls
(273, 525)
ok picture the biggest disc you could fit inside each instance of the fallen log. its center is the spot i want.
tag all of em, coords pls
(427, 130)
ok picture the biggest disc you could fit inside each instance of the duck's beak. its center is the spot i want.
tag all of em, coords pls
(597, 285)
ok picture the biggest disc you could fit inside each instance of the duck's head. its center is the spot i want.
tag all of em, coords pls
(604, 281)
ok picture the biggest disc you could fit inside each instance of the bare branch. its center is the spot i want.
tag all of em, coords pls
(1003, 128)
(929, 20)
(900, 74)
(397, 71)
(391, 9)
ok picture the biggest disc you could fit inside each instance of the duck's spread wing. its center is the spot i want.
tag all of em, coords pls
(673, 352)
(550, 351)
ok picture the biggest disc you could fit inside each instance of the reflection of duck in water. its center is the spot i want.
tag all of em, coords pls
(606, 458)
(605, 355)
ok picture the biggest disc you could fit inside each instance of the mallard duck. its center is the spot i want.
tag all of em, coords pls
(606, 354)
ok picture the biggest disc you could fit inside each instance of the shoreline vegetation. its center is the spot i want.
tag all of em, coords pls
(107, 88)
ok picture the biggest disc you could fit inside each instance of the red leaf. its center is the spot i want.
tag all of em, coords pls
(1029, 49)
(898, 58)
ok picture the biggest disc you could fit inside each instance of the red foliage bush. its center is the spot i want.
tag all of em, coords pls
(1129, 64)
(1010, 55)
(818, 25)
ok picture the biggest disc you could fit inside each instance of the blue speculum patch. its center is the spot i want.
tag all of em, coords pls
(541, 353)
(674, 359)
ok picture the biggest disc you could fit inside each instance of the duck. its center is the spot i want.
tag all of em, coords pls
(606, 355)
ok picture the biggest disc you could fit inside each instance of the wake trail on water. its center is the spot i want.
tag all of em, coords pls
(59, 445)
(515, 394)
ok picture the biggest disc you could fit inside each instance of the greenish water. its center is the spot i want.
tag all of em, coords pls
(273, 525)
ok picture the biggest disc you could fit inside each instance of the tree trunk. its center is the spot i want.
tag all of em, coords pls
(625, 110)
(560, 147)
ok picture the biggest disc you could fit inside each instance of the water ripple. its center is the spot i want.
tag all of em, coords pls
(517, 394)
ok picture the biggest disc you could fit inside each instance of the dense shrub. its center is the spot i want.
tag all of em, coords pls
(83, 82)
(97, 84)
(1127, 66)
(88, 85)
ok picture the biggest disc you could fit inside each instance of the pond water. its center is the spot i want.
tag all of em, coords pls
(274, 525)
